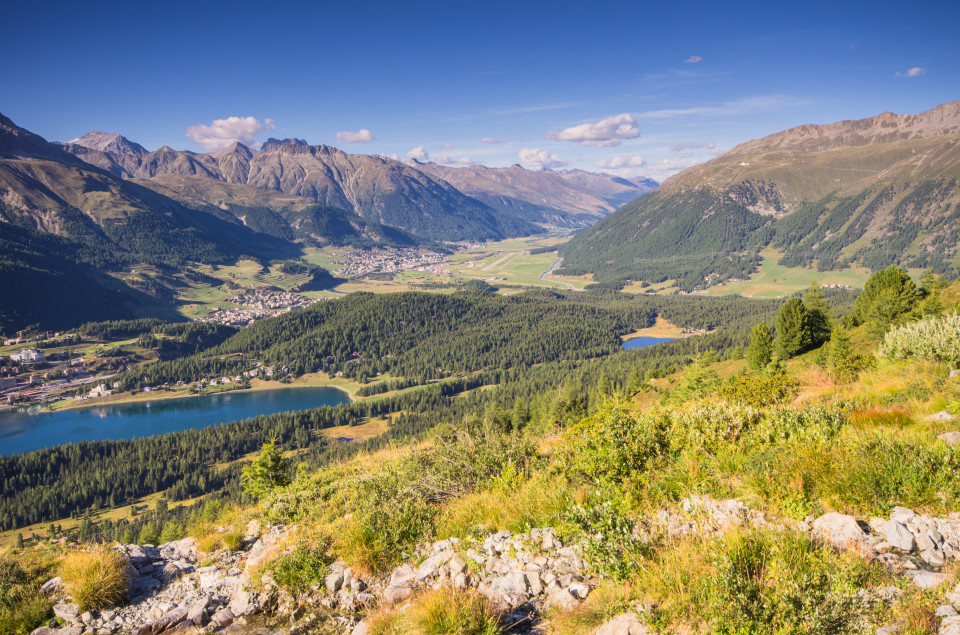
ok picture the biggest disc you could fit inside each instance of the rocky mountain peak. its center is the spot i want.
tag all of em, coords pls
(886, 127)
(235, 148)
(109, 142)
(272, 144)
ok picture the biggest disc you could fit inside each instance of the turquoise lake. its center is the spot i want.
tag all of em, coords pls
(25, 430)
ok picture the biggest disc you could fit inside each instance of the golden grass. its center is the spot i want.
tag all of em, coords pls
(95, 579)
(441, 612)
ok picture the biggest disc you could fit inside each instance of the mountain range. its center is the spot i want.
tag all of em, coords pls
(101, 203)
(871, 192)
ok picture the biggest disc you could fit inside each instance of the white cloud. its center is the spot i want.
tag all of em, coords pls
(491, 140)
(360, 136)
(419, 154)
(606, 133)
(913, 72)
(618, 163)
(693, 59)
(224, 132)
(692, 145)
(454, 160)
(536, 158)
(447, 146)
(744, 106)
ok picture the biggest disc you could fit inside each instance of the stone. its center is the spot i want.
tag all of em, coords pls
(66, 630)
(943, 415)
(66, 612)
(334, 581)
(899, 536)
(222, 618)
(242, 603)
(362, 628)
(197, 613)
(560, 598)
(267, 548)
(461, 581)
(51, 585)
(457, 566)
(933, 557)
(925, 542)
(579, 590)
(624, 624)
(400, 586)
(533, 582)
(950, 438)
(87, 617)
(891, 629)
(185, 549)
(430, 566)
(902, 514)
(927, 579)
(839, 529)
(955, 373)
(509, 591)
(946, 611)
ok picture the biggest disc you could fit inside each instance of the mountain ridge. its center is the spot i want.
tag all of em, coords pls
(871, 192)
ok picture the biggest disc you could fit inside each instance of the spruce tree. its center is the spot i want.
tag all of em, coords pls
(793, 334)
(760, 351)
(818, 315)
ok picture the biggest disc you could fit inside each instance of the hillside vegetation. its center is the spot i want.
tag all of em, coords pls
(869, 193)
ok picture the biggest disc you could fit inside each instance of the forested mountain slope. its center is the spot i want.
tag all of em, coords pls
(872, 192)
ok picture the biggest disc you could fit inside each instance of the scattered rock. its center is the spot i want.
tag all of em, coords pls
(946, 611)
(927, 579)
(899, 536)
(625, 624)
(66, 612)
(950, 438)
(51, 585)
(943, 415)
(839, 529)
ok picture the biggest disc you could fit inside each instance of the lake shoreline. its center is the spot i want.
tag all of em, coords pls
(146, 397)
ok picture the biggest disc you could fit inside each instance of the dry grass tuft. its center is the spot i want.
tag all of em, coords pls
(441, 612)
(95, 579)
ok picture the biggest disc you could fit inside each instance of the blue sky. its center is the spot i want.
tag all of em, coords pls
(633, 88)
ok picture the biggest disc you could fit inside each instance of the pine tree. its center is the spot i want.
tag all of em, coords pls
(819, 323)
(268, 471)
(760, 351)
(793, 335)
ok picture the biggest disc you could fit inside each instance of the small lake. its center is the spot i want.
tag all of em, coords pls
(644, 341)
(25, 430)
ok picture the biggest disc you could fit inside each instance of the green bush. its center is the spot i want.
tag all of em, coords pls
(782, 582)
(759, 390)
(301, 568)
(933, 338)
(22, 606)
(606, 529)
(613, 445)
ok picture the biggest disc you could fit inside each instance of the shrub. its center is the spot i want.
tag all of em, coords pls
(613, 445)
(782, 582)
(609, 541)
(759, 390)
(95, 579)
(814, 423)
(233, 539)
(301, 568)
(22, 606)
(935, 339)
(441, 612)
